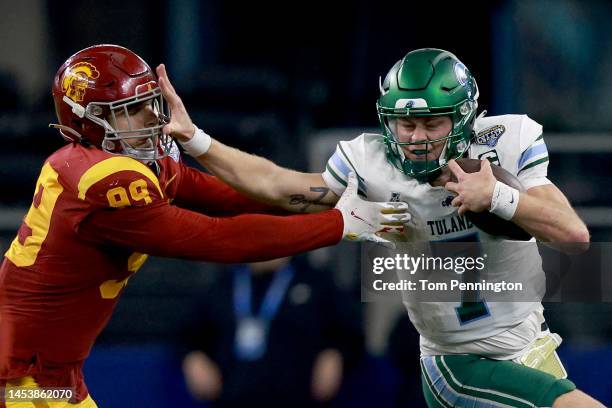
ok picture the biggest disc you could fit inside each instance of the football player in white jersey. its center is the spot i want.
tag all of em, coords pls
(485, 355)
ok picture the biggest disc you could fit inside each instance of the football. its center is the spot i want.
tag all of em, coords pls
(486, 221)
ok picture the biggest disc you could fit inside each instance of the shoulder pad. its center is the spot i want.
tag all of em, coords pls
(119, 182)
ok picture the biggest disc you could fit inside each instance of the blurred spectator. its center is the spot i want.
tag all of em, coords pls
(276, 333)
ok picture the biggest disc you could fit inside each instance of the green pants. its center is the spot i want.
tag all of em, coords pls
(472, 381)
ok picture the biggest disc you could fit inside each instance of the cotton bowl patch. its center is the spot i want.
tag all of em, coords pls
(490, 136)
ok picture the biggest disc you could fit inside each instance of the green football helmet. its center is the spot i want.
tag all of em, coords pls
(428, 82)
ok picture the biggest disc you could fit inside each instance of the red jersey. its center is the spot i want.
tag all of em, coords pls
(93, 218)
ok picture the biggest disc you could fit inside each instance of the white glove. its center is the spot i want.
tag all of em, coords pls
(364, 220)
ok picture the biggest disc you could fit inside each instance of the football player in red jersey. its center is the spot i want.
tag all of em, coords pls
(116, 193)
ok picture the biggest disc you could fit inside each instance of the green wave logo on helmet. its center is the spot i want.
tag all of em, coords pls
(428, 82)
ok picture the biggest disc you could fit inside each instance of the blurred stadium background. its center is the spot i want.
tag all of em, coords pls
(286, 81)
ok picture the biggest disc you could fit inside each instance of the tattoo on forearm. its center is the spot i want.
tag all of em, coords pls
(300, 199)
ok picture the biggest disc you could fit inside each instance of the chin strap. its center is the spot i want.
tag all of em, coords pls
(69, 134)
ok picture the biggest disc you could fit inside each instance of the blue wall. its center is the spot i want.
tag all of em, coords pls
(150, 375)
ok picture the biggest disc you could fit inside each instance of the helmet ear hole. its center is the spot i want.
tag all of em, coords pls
(96, 110)
(108, 145)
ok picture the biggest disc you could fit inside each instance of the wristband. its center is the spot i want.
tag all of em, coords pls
(198, 144)
(504, 201)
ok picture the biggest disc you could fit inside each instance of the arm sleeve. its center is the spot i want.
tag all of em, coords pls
(340, 164)
(202, 192)
(165, 230)
(533, 161)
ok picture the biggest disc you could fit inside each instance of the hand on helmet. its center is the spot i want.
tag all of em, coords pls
(366, 220)
(180, 126)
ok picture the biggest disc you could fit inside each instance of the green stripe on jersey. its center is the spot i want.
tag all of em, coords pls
(360, 191)
(336, 176)
(534, 163)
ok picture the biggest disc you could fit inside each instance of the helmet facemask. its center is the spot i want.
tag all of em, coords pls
(456, 143)
(144, 143)
(428, 83)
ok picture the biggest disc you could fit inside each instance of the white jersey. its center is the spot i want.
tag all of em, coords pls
(513, 142)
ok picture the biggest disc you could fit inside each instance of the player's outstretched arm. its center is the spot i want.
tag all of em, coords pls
(264, 180)
(165, 230)
(207, 194)
(252, 175)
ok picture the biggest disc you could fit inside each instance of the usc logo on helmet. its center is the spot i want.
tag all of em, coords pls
(76, 79)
